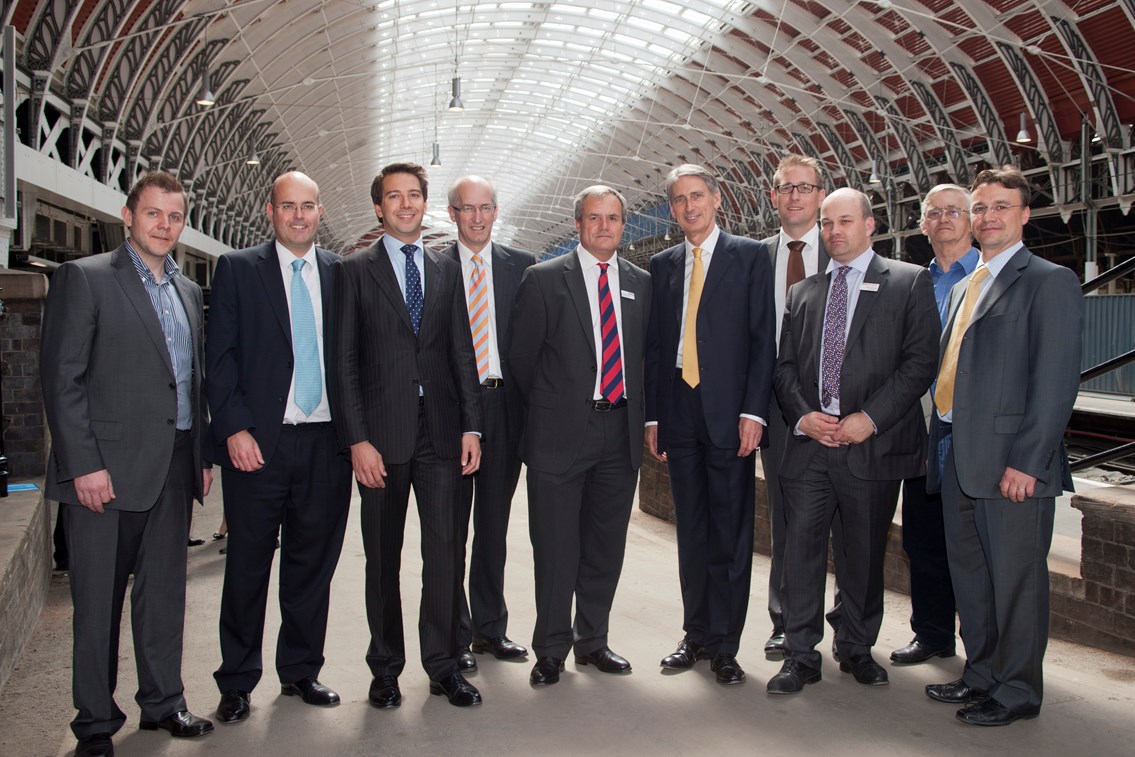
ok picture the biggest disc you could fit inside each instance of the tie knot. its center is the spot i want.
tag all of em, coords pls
(603, 267)
(477, 261)
(980, 274)
(796, 246)
(409, 249)
(697, 253)
(842, 271)
(297, 265)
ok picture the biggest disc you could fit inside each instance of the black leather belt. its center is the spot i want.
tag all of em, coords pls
(304, 426)
(492, 383)
(604, 406)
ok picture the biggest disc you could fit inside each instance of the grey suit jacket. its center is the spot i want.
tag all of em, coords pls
(889, 361)
(552, 357)
(1017, 380)
(108, 384)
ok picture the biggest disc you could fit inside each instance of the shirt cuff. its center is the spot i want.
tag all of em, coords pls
(651, 423)
(756, 418)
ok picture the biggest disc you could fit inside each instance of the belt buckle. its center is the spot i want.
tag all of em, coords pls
(602, 406)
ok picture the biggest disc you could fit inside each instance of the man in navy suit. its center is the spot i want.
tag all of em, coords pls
(270, 374)
(491, 273)
(710, 358)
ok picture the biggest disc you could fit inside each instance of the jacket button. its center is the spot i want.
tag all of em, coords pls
(173, 386)
(169, 421)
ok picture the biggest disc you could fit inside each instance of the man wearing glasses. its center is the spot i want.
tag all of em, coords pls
(1007, 379)
(491, 274)
(945, 222)
(269, 365)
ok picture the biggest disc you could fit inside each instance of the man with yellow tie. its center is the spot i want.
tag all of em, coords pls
(709, 360)
(1008, 377)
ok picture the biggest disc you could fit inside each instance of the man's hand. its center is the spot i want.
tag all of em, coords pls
(821, 427)
(94, 490)
(854, 429)
(244, 452)
(1017, 486)
(750, 431)
(651, 434)
(367, 462)
(206, 481)
(470, 454)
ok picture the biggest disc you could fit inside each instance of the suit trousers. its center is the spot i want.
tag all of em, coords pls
(777, 433)
(436, 483)
(713, 492)
(104, 550)
(578, 524)
(483, 612)
(301, 495)
(828, 492)
(998, 553)
(924, 541)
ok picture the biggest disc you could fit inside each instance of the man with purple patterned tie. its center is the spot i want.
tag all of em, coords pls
(858, 348)
(579, 333)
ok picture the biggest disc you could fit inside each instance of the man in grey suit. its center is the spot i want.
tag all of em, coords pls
(1010, 371)
(857, 351)
(406, 402)
(491, 273)
(797, 251)
(120, 361)
(579, 332)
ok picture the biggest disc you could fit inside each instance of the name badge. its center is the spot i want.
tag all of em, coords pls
(865, 287)
(628, 295)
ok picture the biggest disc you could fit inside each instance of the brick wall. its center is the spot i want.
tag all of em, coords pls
(25, 434)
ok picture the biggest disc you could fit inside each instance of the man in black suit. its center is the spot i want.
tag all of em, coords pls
(797, 251)
(270, 369)
(709, 361)
(491, 273)
(579, 330)
(408, 405)
(857, 350)
(120, 361)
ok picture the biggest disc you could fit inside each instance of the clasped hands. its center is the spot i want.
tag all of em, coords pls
(830, 431)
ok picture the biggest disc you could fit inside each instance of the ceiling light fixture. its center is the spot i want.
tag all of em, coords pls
(1023, 136)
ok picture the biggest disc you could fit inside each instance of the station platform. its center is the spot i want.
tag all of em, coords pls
(1090, 694)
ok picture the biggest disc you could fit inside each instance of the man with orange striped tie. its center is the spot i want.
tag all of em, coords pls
(491, 273)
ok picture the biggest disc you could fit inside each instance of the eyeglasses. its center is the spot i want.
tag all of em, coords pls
(290, 207)
(997, 210)
(804, 189)
(471, 209)
(937, 213)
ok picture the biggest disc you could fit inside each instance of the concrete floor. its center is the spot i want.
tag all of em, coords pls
(1088, 706)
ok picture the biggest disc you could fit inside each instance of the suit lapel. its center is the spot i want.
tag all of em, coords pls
(631, 308)
(814, 289)
(268, 268)
(724, 256)
(504, 290)
(877, 273)
(136, 294)
(382, 270)
(323, 266)
(431, 304)
(577, 290)
(1010, 272)
(678, 283)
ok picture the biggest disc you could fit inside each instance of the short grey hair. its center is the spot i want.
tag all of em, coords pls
(455, 187)
(689, 169)
(599, 190)
(967, 198)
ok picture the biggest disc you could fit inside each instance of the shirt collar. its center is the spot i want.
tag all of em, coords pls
(587, 260)
(968, 262)
(467, 254)
(811, 237)
(998, 262)
(394, 246)
(861, 263)
(286, 256)
(708, 246)
(169, 268)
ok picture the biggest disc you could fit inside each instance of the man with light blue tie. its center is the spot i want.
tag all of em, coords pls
(407, 403)
(270, 371)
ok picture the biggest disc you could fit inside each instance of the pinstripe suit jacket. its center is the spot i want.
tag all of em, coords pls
(382, 362)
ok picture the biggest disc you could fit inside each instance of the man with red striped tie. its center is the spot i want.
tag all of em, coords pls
(579, 334)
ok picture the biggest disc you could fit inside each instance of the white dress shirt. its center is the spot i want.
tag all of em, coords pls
(590, 267)
(467, 269)
(310, 276)
(811, 254)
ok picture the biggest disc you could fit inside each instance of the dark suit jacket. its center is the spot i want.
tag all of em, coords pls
(1017, 380)
(552, 357)
(382, 362)
(736, 336)
(248, 356)
(509, 265)
(109, 389)
(889, 361)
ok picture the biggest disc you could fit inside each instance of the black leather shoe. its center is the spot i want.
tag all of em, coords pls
(384, 692)
(776, 645)
(312, 691)
(98, 745)
(234, 707)
(865, 669)
(604, 659)
(460, 692)
(793, 677)
(916, 652)
(955, 692)
(991, 712)
(728, 670)
(466, 662)
(500, 647)
(183, 723)
(684, 656)
(546, 671)
(194, 542)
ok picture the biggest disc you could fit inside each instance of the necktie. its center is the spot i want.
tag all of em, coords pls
(479, 316)
(414, 298)
(305, 347)
(944, 391)
(835, 323)
(611, 384)
(795, 264)
(690, 373)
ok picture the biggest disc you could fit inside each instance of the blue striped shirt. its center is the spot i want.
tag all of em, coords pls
(175, 326)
